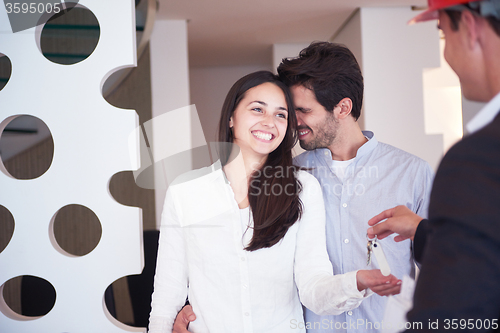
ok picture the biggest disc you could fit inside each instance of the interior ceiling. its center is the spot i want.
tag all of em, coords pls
(242, 32)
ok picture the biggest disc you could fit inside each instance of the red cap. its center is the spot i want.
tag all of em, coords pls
(434, 5)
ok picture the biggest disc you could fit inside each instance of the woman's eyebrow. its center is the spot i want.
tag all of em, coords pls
(260, 102)
(265, 104)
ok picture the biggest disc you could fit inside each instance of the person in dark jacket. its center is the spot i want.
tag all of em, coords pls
(459, 246)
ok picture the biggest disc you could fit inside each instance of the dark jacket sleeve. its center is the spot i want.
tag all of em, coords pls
(419, 240)
(460, 269)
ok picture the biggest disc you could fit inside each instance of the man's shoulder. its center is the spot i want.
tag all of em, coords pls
(304, 159)
(468, 178)
(486, 138)
(398, 155)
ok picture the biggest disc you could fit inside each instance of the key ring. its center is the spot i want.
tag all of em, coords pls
(371, 239)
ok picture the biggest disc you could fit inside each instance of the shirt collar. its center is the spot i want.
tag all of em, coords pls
(369, 145)
(485, 116)
(365, 149)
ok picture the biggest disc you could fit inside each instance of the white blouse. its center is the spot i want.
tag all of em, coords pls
(201, 256)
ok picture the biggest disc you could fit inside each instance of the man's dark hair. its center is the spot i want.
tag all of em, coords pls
(455, 16)
(330, 70)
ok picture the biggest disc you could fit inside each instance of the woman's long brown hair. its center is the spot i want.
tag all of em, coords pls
(274, 189)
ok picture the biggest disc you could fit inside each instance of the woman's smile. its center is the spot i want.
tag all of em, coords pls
(263, 136)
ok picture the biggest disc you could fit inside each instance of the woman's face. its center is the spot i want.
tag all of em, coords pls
(260, 120)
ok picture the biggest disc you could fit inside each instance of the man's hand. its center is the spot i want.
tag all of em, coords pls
(400, 220)
(378, 283)
(184, 317)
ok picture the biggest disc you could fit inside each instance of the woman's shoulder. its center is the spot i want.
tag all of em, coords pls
(199, 195)
(196, 186)
(199, 176)
(306, 178)
(310, 185)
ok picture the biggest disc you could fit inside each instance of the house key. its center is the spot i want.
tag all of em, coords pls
(376, 248)
(369, 247)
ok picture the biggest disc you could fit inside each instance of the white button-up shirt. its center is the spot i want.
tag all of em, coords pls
(201, 255)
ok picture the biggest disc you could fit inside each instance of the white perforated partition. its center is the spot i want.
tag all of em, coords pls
(90, 146)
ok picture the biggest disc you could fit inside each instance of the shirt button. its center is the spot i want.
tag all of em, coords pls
(247, 314)
(242, 258)
(349, 313)
(349, 286)
(344, 205)
(326, 153)
(346, 241)
(244, 286)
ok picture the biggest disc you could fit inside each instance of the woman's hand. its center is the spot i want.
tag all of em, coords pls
(378, 283)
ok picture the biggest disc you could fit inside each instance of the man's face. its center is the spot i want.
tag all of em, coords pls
(316, 126)
(464, 57)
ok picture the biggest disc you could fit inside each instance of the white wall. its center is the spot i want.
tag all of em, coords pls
(281, 51)
(169, 86)
(350, 36)
(393, 56)
(443, 102)
(169, 66)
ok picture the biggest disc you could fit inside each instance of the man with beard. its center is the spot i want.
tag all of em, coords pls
(359, 175)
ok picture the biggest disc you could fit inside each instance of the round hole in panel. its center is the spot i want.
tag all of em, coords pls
(6, 227)
(26, 147)
(113, 299)
(70, 36)
(76, 230)
(28, 296)
(134, 310)
(5, 70)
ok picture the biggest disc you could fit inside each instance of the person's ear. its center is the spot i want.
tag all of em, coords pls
(231, 122)
(469, 22)
(344, 108)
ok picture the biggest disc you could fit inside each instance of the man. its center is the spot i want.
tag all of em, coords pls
(458, 284)
(358, 174)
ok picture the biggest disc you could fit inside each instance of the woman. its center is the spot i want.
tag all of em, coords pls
(245, 240)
